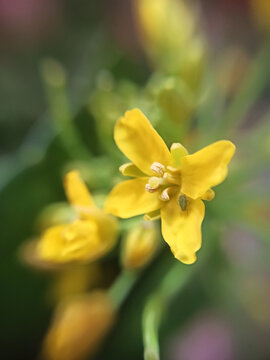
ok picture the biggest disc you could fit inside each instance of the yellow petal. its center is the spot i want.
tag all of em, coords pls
(77, 193)
(139, 141)
(182, 229)
(130, 198)
(51, 243)
(80, 241)
(206, 168)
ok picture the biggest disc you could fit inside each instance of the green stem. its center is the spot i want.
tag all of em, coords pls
(150, 326)
(175, 280)
(55, 85)
(122, 286)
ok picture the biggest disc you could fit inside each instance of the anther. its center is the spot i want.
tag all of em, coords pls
(158, 168)
(168, 193)
(165, 195)
(149, 189)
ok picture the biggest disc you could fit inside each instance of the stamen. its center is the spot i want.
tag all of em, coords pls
(154, 183)
(173, 169)
(148, 188)
(165, 195)
(172, 179)
(158, 168)
(168, 193)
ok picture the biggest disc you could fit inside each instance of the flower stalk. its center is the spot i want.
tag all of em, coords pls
(54, 78)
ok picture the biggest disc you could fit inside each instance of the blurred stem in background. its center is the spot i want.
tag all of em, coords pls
(54, 78)
(150, 324)
(229, 117)
(174, 281)
(249, 92)
(122, 286)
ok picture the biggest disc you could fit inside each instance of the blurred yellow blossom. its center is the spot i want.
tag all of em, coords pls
(168, 34)
(261, 13)
(88, 237)
(79, 326)
(167, 183)
(140, 245)
(29, 255)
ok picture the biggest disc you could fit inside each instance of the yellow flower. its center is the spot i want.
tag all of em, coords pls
(261, 13)
(79, 326)
(88, 237)
(170, 38)
(170, 184)
(140, 246)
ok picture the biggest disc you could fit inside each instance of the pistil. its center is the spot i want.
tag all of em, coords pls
(154, 183)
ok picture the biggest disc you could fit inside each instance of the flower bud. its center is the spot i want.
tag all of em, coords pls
(261, 13)
(168, 35)
(140, 245)
(78, 327)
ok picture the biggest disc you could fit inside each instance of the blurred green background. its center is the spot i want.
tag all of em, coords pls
(103, 69)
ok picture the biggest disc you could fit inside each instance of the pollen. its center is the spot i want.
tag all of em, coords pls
(158, 168)
(168, 193)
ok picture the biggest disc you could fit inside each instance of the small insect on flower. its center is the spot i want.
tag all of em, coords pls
(167, 184)
(88, 237)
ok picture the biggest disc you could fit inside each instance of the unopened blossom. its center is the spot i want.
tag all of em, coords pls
(140, 245)
(170, 184)
(91, 235)
(79, 326)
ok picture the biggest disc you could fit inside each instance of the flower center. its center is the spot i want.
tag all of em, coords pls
(79, 235)
(167, 179)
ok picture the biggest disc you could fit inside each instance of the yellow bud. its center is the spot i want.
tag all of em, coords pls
(261, 13)
(209, 195)
(177, 151)
(140, 245)
(79, 327)
(168, 35)
(164, 23)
